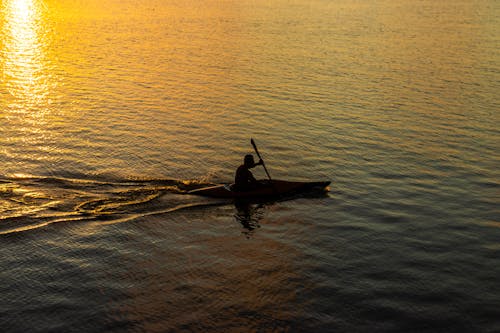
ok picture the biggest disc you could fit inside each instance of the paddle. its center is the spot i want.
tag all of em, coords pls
(260, 158)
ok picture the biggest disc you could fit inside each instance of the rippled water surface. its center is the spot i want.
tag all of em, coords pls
(112, 110)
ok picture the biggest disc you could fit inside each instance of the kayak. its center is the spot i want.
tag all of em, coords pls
(268, 189)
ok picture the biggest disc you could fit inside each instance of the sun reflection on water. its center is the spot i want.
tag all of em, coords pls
(24, 72)
(27, 81)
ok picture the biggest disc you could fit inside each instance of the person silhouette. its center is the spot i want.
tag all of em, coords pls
(244, 179)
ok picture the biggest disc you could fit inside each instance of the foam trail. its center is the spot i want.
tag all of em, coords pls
(166, 211)
(43, 224)
(128, 218)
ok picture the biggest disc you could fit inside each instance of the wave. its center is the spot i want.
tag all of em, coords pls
(30, 202)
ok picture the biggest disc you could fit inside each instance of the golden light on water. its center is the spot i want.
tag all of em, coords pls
(22, 9)
(24, 74)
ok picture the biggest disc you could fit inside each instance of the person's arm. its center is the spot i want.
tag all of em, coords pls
(251, 178)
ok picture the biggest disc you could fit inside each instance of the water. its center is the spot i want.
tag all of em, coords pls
(111, 110)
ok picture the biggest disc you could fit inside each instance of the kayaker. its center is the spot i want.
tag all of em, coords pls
(244, 180)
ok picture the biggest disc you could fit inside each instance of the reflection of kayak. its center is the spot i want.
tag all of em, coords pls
(274, 188)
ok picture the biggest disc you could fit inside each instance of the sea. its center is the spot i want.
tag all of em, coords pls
(112, 110)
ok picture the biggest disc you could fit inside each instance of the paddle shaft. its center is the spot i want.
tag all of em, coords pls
(260, 158)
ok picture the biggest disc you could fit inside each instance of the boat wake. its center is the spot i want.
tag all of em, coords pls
(28, 202)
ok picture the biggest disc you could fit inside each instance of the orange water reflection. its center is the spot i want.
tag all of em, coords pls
(27, 79)
(23, 59)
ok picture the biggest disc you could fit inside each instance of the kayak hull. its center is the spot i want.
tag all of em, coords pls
(268, 189)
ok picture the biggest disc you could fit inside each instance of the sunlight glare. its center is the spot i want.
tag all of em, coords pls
(22, 9)
(23, 63)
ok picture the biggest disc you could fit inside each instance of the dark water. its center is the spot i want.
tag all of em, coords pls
(112, 110)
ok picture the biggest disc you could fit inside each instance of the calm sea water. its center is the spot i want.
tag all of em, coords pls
(111, 109)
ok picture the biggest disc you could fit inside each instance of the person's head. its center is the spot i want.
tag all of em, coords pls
(249, 161)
